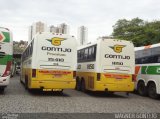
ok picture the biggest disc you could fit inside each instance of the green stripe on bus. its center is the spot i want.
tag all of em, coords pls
(151, 69)
(5, 59)
(143, 69)
(7, 37)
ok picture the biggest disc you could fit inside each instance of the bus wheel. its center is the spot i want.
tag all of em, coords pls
(11, 75)
(141, 88)
(20, 80)
(61, 92)
(152, 91)
(1, 89)
(83, 86)
(78, 85)
(26, 84)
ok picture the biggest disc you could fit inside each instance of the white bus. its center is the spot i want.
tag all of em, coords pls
(147, 70)
(49, 62)
(106, 65)
(6, 52)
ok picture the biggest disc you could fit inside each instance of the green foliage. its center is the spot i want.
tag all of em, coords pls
(19, 47)
(138, 31)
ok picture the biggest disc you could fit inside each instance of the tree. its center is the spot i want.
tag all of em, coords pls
(16, 47)
(138, 31)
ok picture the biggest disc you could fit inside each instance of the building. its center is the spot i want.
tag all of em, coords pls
(53, 29)
(62, 28)
(35, 28)
(82, 35)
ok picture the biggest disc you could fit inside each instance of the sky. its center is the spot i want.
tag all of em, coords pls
(97, 15)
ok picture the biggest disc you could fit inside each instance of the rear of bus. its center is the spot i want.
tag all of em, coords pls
(54, 62)
(117, 62)
(6, 52)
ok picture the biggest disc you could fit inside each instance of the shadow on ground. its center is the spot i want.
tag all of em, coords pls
(106, 94)
(48, 93)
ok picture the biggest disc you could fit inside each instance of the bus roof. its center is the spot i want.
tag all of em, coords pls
(4, 29)
(40, 33)
(98, 41)
(147, 47)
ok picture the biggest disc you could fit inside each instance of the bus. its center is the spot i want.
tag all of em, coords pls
(6, 52)
(49, 62)
(106, 65)
(147, 70)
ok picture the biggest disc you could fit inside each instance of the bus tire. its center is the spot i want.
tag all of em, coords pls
(61, 92)
(141, 88)
(152, 91)
(20, 79)
(2, 89)
(83, 86)
(26, 83)
(11, 75)
(78, 85)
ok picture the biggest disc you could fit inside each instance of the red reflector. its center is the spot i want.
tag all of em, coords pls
(134, 77)
(33, 72)
(8, 69)
(74, 74)
(55, 72)
(117, 76)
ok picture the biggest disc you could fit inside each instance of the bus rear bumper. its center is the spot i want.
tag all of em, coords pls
(115, 87)
(4, 81)
(54, 85)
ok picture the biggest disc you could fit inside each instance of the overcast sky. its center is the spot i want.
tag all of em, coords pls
(98, 15)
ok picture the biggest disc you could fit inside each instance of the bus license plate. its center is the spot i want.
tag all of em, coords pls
(119, 78)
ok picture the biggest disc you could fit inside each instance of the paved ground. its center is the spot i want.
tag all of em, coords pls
(17, 100)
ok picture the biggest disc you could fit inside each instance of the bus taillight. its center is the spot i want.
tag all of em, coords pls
(134, 77)
(74, 74)
(98, 76)
(8, 69)
(33, 72)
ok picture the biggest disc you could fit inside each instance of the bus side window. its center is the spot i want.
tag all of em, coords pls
(32, 47)
(29, 50)
(139, 61)
(90, 53)
(94, 52)
(79, 55)
(158, 59)
(86, 54)
(136, 61)
(153, 59)
(146, 60)
(82, 55)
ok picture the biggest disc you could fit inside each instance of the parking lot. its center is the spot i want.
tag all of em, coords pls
(16, 99)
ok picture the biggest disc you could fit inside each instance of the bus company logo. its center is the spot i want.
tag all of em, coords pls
(2, 37)
(56, 41)
(117, 48)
